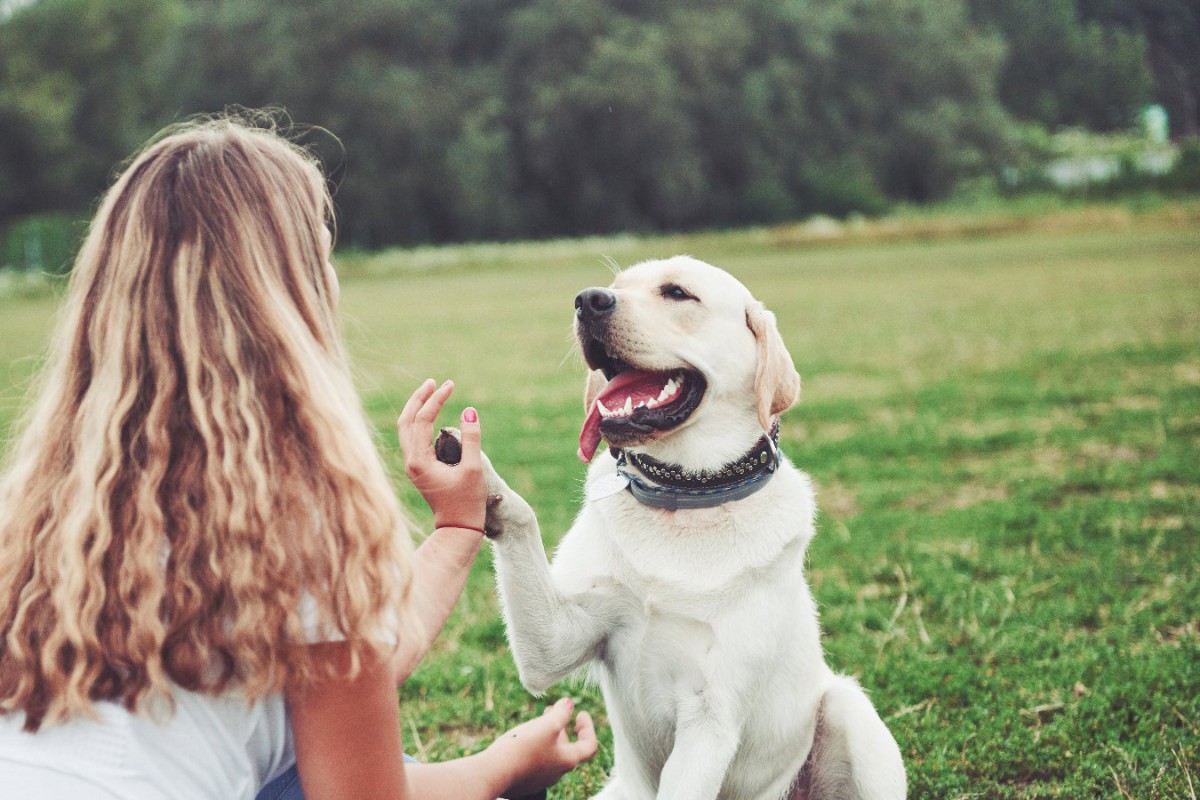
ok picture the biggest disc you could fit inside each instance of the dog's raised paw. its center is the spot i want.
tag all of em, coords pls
(448, 447)
(494, 525)
(506, 510)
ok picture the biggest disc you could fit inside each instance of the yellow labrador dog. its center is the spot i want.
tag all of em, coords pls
(681, 583)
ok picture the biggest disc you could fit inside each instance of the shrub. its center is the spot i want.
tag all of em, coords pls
(42, 243)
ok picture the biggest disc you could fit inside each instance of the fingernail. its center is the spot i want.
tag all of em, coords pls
(470, 415)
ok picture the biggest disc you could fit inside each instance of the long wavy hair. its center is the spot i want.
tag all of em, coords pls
(195, 469)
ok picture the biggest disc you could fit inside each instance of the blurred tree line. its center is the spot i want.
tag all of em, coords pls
(496, 119)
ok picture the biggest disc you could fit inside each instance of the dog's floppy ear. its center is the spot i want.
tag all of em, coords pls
(595, 384)
(776, 382)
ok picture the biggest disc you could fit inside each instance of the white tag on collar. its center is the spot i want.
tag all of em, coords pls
(605, 486)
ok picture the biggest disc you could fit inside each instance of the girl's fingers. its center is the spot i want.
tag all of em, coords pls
(562, 710)
(470, 438)
(433, 404)
(404, 423)
(415, 402)
(414, 427)
(586, 744)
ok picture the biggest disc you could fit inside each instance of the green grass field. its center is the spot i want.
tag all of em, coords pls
(1004, 423)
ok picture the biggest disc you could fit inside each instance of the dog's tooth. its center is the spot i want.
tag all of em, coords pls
(628, 406)
(604, 412)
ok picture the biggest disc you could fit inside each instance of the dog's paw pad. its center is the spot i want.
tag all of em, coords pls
(494, 526)
(448, 447)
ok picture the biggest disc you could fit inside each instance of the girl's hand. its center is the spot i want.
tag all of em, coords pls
(456, 493)
(539, 752)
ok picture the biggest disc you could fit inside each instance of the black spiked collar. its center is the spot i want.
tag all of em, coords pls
(669, 486)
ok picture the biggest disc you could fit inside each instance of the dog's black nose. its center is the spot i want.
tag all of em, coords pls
(594, 302)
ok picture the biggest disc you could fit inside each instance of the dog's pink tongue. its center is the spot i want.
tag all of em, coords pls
(589, 437)
(630, 388)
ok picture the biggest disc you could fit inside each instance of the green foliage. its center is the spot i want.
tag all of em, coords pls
(41, 243)
(1185, 177)
(79, 91)
(1004, 425)
(454, 120)
(1062, 70)
(473, 120)
(1102, 166)
(1171, 29)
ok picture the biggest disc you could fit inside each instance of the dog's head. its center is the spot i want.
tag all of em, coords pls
(678, 350)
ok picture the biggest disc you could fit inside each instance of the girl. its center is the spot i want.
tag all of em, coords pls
(206, 582)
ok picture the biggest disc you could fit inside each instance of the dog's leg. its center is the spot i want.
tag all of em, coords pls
(706, 740)
(551, 633)
(854, 756)
(616, 790)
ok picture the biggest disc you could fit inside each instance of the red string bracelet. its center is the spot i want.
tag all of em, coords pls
(465, 528)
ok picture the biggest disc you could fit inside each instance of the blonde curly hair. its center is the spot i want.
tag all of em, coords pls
(195, 467)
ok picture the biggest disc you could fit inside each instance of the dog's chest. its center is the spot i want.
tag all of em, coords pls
(673, 656)
(664, 652)
(705, 553)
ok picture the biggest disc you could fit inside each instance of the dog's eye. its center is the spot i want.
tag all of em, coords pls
(673, 291)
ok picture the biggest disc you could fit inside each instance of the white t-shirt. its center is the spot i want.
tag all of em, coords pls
(211, 748)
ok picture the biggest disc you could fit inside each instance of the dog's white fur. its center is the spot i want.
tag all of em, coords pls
(698, 624)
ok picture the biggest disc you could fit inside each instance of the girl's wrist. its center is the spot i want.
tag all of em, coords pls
(500, 765)
(461, 526)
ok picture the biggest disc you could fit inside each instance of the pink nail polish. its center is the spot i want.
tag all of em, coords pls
(470, 415)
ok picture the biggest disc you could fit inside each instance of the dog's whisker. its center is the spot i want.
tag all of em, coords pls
(573, 351)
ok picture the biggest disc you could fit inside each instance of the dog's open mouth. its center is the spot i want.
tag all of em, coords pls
(637, 404)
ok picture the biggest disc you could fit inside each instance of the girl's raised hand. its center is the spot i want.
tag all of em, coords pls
(457, 493)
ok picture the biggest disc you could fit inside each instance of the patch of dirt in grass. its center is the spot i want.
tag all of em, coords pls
(836, 431)
(951, 552)
(891, 418)
(1137, 402)
(838, 500)
(1041, 424)
(846, 384)
(1162, 522)
(1188, 373)
(1157, 490)
(955, 498)
(1015, 465)
(834, 576)
(1049, 461)
(1107, 452)
(1161, 490)
(1176, 634)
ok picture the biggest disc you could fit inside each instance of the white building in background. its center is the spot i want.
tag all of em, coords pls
(1094, 160)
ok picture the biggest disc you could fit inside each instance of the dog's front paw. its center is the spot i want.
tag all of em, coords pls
(507, 511)
(448, 447)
